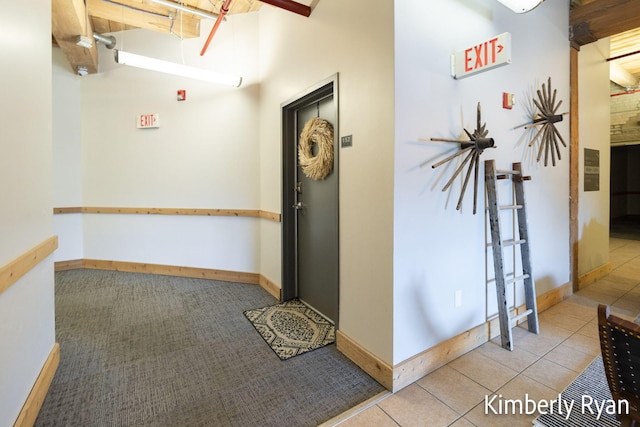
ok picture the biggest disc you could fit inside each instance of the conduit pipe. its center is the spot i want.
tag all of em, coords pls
(191, 10)
(223, 12)
(108, 41)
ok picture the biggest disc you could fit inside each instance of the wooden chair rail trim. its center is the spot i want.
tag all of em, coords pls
(14, 270)
(253, 213)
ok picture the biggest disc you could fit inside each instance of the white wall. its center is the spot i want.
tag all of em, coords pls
(204, 155)
(594, 110)
(355, 40)
(26, 308)
(67, 157)
(438, 250)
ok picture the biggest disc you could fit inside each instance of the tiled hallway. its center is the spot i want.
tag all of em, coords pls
(541, 365)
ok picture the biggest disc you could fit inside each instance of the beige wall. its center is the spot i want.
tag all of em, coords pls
(594, 117)
(355, 40)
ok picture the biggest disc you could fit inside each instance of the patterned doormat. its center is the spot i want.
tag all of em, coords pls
(291, 328)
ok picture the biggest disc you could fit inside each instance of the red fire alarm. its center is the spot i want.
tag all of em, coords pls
(508, 99)
(182, 95)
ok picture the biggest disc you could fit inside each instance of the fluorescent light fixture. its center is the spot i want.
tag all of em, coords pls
(161, 66)
(521, 6)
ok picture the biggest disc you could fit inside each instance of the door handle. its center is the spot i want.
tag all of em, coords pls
(298, 206)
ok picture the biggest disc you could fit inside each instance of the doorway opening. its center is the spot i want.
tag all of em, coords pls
(310, 232)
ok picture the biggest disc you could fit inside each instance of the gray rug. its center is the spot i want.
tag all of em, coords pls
(146, 350)
(290, 328)
(591, 383)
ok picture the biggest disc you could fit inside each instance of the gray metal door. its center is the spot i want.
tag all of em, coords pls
(317, 223)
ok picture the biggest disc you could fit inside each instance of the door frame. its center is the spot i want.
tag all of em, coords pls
(321, 90)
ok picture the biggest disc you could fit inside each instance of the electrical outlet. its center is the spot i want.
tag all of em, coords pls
(458, 299)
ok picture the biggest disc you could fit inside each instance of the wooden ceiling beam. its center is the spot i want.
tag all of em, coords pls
(147, 16)
(602, 18)
(68, 21)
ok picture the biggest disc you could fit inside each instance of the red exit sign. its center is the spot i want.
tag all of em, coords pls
(482, 56)
(146, 121)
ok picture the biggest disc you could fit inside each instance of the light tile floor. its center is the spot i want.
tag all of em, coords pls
(541, 365)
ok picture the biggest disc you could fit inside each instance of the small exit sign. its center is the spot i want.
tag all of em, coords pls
(148, 121)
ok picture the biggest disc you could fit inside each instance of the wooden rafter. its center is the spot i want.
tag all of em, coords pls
(146, 15)
(68, 21)
(602, 18)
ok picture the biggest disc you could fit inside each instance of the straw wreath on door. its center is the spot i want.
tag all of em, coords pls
(318, 132)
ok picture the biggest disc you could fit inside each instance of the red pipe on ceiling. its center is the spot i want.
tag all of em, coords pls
(223, 11)
(291, 6)
(288, 5)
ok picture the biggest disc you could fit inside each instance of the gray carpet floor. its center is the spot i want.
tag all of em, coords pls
(148, 350)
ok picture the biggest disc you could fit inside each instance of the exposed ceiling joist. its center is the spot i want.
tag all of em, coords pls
(68, 21)
(602, 18)
(146, 15)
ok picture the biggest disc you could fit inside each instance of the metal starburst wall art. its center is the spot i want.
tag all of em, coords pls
(473, 148)
(546, 121)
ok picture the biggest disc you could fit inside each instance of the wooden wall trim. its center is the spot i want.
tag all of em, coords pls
(372, 365)
(407, 372)
(14, 270)
(590, 277)
(32, 405)
(253, 213)
(410, 370)
(554, 296)
(574, 166)
(173, 270)
(270, 286)
(68, 265)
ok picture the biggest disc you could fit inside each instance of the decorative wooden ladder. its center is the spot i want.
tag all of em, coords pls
(491, 175)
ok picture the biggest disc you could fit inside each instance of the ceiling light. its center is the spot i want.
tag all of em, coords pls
(159, 65)
(84, 41)
(521, 6)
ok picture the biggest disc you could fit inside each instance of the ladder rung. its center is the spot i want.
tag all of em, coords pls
(521, 315)
(507, 171)
(512, 280)
(504, 207)
(510, 242)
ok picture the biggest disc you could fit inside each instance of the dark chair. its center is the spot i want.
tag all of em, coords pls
(620, 345)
